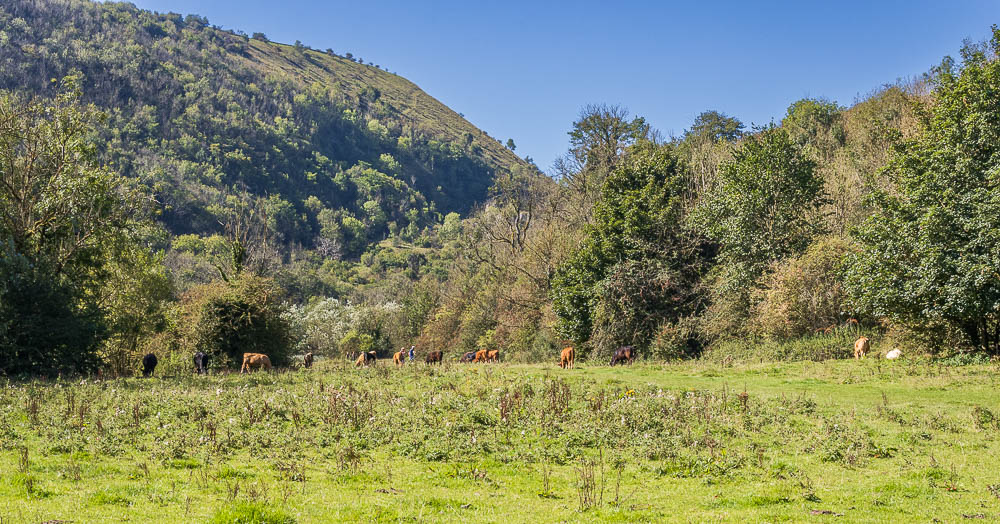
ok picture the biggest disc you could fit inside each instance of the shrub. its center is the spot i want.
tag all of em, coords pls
(251, 513)
(245, 315)
(679, 339)
(803, 293)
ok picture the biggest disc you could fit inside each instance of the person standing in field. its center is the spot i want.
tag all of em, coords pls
(412, 352)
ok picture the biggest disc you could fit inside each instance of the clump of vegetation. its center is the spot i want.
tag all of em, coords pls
(227, 319)
(251, 513)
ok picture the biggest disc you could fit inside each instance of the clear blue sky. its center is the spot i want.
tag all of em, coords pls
(523, 70)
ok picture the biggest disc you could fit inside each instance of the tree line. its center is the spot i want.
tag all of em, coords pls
(883, 212)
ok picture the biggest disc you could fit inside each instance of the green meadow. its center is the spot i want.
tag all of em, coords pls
(833, 441)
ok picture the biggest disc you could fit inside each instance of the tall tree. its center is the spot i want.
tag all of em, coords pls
(765, 203)
(597, 141)
(65, 223)
(932, 249)
(637, 267)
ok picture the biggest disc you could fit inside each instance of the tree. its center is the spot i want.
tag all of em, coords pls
(713, 126)
(764, 206)
(930, 252)
(66, 224)
(704, 146)
(510, 144)
(451, 227)
(815, 124)
(637, 267)
(245, 221)
(598, 139)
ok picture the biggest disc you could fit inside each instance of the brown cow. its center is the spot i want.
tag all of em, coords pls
(493, 355)
(365, 359)
(434, 357)
(566, 358)
(399, 357)
(253, 361)
(307, 360)
(861, 347)
(480, 356)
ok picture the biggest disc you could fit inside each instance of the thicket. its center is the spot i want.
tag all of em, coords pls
(73, 242)
(884, 212)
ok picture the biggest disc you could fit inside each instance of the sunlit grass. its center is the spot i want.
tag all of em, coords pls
(693, 441)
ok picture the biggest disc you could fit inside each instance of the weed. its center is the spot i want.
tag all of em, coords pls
(251, 513)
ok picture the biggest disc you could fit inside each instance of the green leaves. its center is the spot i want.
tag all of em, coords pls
(932, 249)
(765, 205)
(637, 266)
(74, 237)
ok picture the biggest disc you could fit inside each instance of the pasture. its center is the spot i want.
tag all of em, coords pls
(834, 441)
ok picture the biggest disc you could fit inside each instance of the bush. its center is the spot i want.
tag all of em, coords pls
(245, 315)
(815, 348)
(43, 327)
(804, 293)
(251, 513)
(681, 339)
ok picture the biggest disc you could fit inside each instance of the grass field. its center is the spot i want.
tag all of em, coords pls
(835, 441)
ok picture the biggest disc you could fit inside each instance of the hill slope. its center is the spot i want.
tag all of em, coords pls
(338, 153)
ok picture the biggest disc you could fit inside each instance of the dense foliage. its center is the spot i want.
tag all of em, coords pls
(68, 226)
(195, 111)
(932, 248)
(637, 267)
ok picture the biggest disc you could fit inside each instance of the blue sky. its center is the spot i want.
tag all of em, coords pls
(523, 70)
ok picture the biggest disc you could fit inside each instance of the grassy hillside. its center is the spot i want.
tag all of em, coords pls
(352, 80)
(336, 154)
(835, 441)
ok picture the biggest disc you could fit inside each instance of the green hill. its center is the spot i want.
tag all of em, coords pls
(339, 154)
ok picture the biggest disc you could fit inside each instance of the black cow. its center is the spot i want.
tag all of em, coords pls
(307, 360)
(148, 364)
(468, 357)
(623, 354)
(201, 363)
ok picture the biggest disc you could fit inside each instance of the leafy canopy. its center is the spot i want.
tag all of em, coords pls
(635, 247)
(931, 251)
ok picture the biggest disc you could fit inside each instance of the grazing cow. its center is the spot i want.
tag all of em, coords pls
(398, 358)
(861, 347)
(434, 357)
(253, 361)
(365, 359)
(481, 356)
(493, 355)
(148, 364)
(307, 360)
(894, 354)
(201, 363)
(468, 357)
(566, 358)
(623, 354)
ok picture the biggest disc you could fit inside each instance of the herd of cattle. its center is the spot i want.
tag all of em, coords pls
(567, 358)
